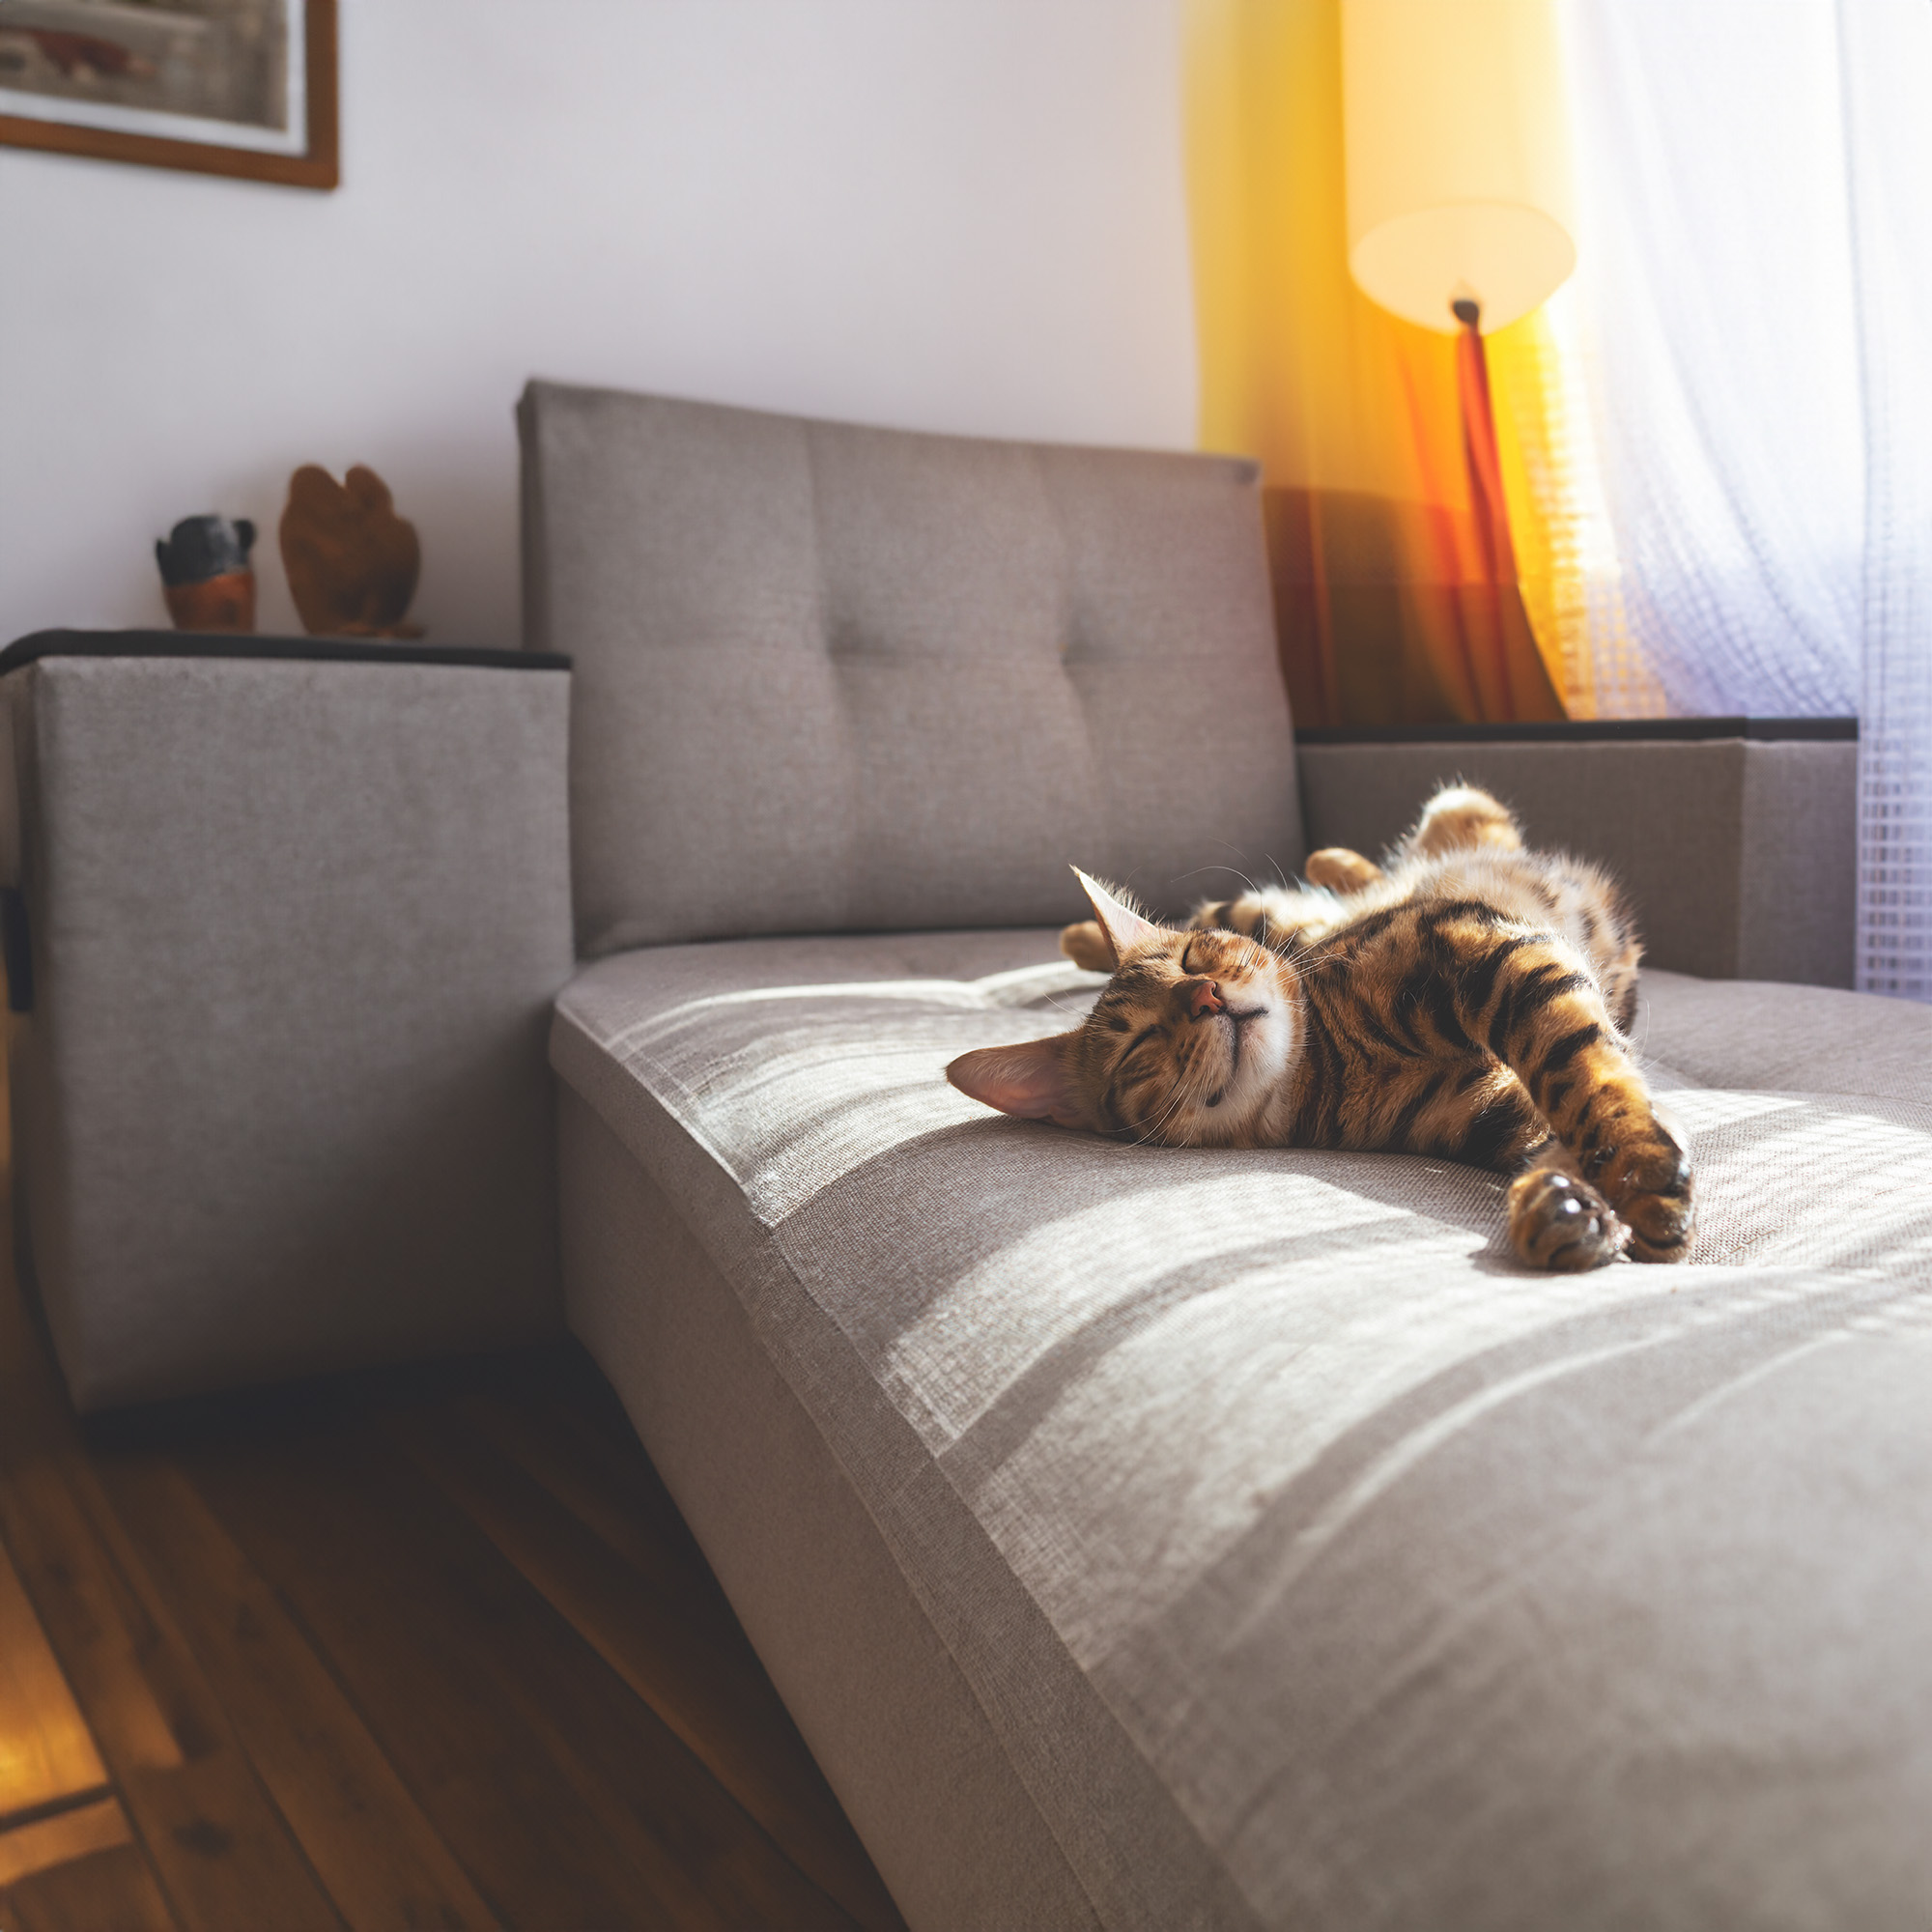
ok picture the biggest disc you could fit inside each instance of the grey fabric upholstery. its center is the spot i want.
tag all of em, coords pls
(1720, 1034)
(1740, 855)
(831, 678)
(862, 1670)
(1311, 1563)
(281, 1102)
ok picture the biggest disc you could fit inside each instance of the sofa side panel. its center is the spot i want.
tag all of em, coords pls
(296, 929)
(874, 1688)
(1799, 876)
(1667, 819)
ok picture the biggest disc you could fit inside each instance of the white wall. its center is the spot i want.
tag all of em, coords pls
(956, 214)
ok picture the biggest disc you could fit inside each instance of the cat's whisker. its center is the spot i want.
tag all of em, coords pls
(1183, 1094)
(1307, 961)
(1173, 1107)
(1197, 870)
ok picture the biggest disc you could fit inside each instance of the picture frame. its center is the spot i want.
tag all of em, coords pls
(246, 88)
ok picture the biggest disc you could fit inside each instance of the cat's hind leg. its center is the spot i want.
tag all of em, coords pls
(1086, 944)
(1458, 819)
(1341, 871)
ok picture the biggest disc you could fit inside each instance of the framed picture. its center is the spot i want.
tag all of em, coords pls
(223, 87)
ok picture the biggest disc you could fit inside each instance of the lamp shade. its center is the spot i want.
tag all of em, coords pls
(1458, 155)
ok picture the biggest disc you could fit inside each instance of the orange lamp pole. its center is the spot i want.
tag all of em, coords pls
(1487, 504)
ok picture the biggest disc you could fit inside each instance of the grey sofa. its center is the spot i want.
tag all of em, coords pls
(1140, 1538)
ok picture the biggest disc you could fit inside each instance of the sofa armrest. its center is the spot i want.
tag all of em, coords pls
(295, 915)
(1735, 837)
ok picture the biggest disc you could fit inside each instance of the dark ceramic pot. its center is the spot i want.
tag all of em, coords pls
(205, 574)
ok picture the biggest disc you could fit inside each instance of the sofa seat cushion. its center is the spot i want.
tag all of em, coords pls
(1313, 1562)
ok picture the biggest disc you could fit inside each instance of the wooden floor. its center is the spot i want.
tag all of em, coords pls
(425, 1649)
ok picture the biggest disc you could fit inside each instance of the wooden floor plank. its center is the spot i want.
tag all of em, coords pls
(437, 1634)
(75, 1833)
(217, 1846)
(491, 1703)
(217, 1843)
(550, 1430)
(653, 1612)
(46, 1752)
(378, 1857)
(571, 1408)
(41, 1453)
(109, 1891)
(108, 1647)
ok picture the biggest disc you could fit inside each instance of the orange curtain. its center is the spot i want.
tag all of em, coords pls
(1402, 595)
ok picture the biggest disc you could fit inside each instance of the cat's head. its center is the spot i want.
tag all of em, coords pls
(1186, 1045)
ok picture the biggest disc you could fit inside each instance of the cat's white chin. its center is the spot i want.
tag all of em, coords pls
(1266, 1044)
(1257, 1035)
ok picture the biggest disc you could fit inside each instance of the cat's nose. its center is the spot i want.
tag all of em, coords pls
(1203, 996)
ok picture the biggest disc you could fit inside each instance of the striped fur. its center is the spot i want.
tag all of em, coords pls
(1466, 1000)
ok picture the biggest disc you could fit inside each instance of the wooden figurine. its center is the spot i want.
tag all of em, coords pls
(205, 574)
(352, 562)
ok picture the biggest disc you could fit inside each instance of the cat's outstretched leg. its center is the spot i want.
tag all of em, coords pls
(1530, 999)
(1086, 944)
(1341, 871)
(1458, 818)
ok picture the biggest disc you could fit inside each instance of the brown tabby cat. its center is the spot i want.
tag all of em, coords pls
(1469, 1003)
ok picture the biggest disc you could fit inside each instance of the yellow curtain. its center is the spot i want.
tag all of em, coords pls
(1389, 604)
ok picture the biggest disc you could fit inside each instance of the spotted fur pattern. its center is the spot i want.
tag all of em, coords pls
(1466, 999)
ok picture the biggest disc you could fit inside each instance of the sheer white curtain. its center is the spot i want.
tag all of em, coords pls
(1887, 55)
(1754, 322)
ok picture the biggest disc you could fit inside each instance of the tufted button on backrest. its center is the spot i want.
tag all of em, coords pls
(834, 678)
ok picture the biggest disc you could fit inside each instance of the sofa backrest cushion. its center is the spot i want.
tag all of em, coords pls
(831, 678)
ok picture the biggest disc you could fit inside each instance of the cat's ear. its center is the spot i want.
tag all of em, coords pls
(1126, 930)
(1032, 1080)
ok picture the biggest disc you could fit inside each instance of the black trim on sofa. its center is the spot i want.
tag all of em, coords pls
(1577, 731)
(17, 949)
(316, 650)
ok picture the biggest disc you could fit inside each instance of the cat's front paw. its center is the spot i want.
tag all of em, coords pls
(1659, 1225)
(1650, 1185)
(1086, 944)
(1557, 1221)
